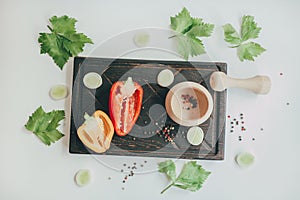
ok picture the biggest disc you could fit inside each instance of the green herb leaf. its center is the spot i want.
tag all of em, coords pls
(188, 30)
(53, 45)
(189, 46)
(191, 177)
(249, 50)
(249, 30)
(182, 21)
(200, 29)
(63, 25)
(168, 167)
(231, 35)
(44, 125)
(63, 42)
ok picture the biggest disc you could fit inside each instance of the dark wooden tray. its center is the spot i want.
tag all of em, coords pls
(143, 140)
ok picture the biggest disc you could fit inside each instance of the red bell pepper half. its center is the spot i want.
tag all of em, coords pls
(125, 103)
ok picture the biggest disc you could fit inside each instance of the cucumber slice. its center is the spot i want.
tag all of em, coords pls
(58, 92)
(141, 39)
(195, 135)
(165, 78)
(83, 177)
(92, 80)
(244, 159)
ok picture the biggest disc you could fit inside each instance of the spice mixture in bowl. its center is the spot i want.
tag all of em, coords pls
(189, 103)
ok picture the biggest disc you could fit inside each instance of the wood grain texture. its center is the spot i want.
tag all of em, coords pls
(143, 140)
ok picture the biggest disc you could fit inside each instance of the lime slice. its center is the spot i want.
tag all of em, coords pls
(195, 135)
(83, 177)
(141, 39)
(58, 92)
(92, 80)
(244, 159)
(165, 78)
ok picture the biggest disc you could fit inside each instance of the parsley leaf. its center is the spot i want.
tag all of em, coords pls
(200, 29)
(63, 42)
(249, 50)
(231, 35)
(191, 178)
(188, 29)
(44, 125)
(249, 30)
(168, 167)
(189, 46)
(182, 21)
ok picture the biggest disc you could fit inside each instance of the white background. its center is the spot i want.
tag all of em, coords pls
(31, 170)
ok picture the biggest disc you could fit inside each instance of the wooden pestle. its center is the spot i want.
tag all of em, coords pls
(219, 81)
